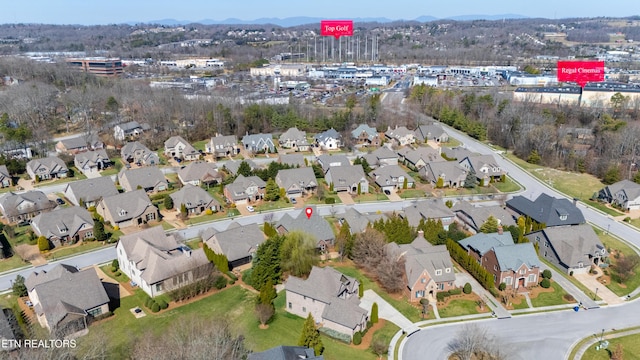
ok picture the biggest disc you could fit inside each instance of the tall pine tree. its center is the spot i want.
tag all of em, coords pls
(310, 336)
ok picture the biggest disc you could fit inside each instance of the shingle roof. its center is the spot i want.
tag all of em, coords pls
(345, 312)
(630, 188)
(133, 150)
(13, 204)
(424, 153)
(233, 165)
(223, 141)
(62, 222)
(286, 353)
(359, 222)
(511, 257)
(371, 132)
(192, 197)
(480, 214)
(128, 126)
(316, 225)
(236, 242)
(90, 157)
(293, 134)
(329, 161)
(4, 172)
(488, 161)
(327, 135)
(548, 210)
(390, 175)
(426, 209)
(91, 189)
(200, 170)
(238, 188)
(126, 205)
(447, 170)
(80, 142)
(399, 132)
(174, 141)
(429, 131)
(51, 164)
(346, 175)
(258, 141)
(573, 244)
(484, 242)
(300, 177)
(457, 153)
(145, 177)
(293, 160)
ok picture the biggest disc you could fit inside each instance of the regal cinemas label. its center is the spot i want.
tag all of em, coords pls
(580, 72)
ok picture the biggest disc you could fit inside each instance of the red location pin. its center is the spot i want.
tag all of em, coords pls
(308, 211)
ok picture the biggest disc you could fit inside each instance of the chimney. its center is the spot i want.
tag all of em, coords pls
(500, 229)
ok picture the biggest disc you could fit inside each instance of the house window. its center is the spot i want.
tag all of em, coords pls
(532, 278)
(304, 309)
(495, 267)
(290, 306)
(95, 312)
(441, 286)
(507, 280)
(88, 234)
(546, 244)
(150, 216)
(420, 293)
(423, 280)
(438, 272)
(523, 271)
(158, 287)
(447, 270)
(537, 238)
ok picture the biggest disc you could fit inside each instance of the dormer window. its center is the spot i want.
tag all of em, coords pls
(122, 212)
(438, 272)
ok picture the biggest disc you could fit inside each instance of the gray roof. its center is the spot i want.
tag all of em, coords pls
(4, 172)
(630, 189)
(145, 177)
(390, 175)
(327, 135)
(424, 153)
(134, 150)
(482, 242)
(478, 215)
(293, 160)
(91, 189)
(7, 325)
(329, 161)
(62, 222)
(511, 257)
(420, 255)
(159, 256)
(484, 161)
(548, 210)
(426, 209)
(573, 244)
(382, 152)
(79, 142)
(296, 178)
(50, 165)
(236, 242)
(233, 165)
(447, 170)
(358, 222)
(258, 141)
(286, 353)
(429, 132)
(398, 132)
(346, 175)
(193, 196)
(371, 132)
(13, 204)
(223, 141)
(293, 134)
(316, 225)
(175, 141)
(65, 290)
(199, 170)
(457, 153)
(127, 205)
(90, 158)
(129, 126)
(238, 188)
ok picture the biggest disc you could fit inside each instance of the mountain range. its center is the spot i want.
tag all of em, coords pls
(303, 20)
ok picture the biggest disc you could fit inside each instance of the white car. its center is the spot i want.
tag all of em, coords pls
(250, 208)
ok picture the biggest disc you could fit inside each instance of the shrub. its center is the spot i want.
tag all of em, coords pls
(545, 283)
(546, 274)
(117, 273)
(502, 286)
(149, 302)
(467, 288)
(220, 282)
(155, 307)
(208, 212)
(442, 296)
(232, 276)
(115, 265)
(163, 304)
(571, 273)
(336, 335)
(357, 338)
(627, 219)
(456, 291)
(330, 200)
(374, 313)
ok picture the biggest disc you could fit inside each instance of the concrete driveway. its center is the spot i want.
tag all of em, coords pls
(592, 283)
(393, 196)
(385, 310)
(346, 198)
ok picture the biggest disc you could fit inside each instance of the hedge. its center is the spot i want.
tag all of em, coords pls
(357, 338)
(336, 335)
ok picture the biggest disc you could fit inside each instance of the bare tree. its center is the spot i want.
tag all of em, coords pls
(368, 249)
(473, 341)
(264, 312)
(390, 272)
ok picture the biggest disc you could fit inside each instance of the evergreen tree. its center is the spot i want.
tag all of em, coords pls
(98, 231)
(272, 191)
(359, 189)
(310, 336)
(19, 288)
(168, 202)
(43, 243)
(405, 183)
(267, 293)
(344, 240)
(244, 169)
(440, 183)
(183, 211)
(269, 230)
(489, 226)
(374, 313)
(471, 181)
(298, 253)
(266, 263)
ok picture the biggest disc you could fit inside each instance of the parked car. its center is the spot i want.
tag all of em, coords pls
(250, 208)
(293, 201)
(59, 201)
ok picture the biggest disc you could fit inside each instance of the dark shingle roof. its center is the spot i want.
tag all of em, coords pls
(92, 189)
(548, 210)
(286, 353)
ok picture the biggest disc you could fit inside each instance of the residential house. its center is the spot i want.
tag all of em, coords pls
(135, 152)
(150, 179)
(199, 173)
(129, 129)
(473, 217)
(427, 268)
(158, 264)
(453, 175)
(573, 249)
(328, 140)
(259, 143)
(91, 162)
(64, 226)
(547, 210)
(222, 146)
(347, 178)
(178, 147)
(359, 222)
(238, 242)
(295, 160)
(78, 144)
(297, 182)
(364, 134)
(88, 192)
(244, 190)
(428, 209)
(391, 177)
(51, 167)
(419, 157)
(127, 209)
(624, 194)
(294, 139)
(286, 353)
(232, 166)
(432, 132)
(24, 206)
(457, 153)
(329, 161)
(515, 265)
(400, 135)
(381, 156)
(65, 299)
(485, 167)
(330, 297)
(195, 199)
(314, 225)
(5, 177)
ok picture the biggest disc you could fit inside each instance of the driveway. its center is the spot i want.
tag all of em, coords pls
(393, 196)
(346, 198)
(592, 283)
(243, 210)
(385, 310)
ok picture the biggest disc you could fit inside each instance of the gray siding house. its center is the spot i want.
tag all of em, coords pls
(238, 242)
(259, 143)
(90, 191)
(127, 209)
(51, 167)
(195, 199)
(150, 179)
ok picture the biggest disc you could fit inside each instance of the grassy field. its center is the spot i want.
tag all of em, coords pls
(458, 307)
(215, 216)
(550, 298)
(370, 197)
(412, 193)
(66, 251)
(612, 243)
(386, 333)
(235, 304)
(508, 186)
(273, 205)
(630, 348)
(12, 263)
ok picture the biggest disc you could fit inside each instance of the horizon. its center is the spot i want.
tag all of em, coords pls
(76, 12)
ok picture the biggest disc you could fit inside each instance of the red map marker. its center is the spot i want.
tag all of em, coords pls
(308, 211)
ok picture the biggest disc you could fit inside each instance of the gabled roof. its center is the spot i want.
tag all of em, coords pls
(371, 132)
(293, 160)
(126, 205)
(62, 222)
(286, 353)
(547, 210)
(325, 136)
(236, 242)
(51, 164)
(300, 177)
(573, 244)
(238, 188)
(488, 161)
(129, 126)
(80, 142)
(630, 189)
(13, 204)
(258, 140)
(293, 134)
(426, 209)
(234, 165)
(158, 256)
(323, 284)
(134, 150)
(511, 257)
(4, 172)
(399, 132)
(90, 157)
(358, 222)
(424, 153)
(145, 177)
(422, 256)
(429, 132)
(390, 175)
(329, 161)
(458, 153)
(199, 170)
(91, 189)
(66, 290)
(479, 214)
(346, 175)
(448, 170)
(316, 225)
(223, 141)
(193, 196)
(175, 141)
(482, 242)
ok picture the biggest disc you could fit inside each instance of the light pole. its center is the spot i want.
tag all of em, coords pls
(595, 295)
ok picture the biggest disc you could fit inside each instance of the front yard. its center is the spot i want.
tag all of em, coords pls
(555, 295)
(618, 250)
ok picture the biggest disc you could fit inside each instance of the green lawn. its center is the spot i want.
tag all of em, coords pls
(215, 216)
(508, 186)
(77, 176)
(166, 225)
(386, 333)
(199, 145)
(403, 306)
(193, 243)
(522, 304)
(66, 251)
(120, 278)
(12, 263)
(630, 347)
(573, 280)
(110, 171)
(273, 205)
(550, 298)
(458, 307)
(370, 197)
(314, 200)
(412, 193)
(235, 303)
(611, 243)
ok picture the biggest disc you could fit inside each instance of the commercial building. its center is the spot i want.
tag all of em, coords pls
(99, 66)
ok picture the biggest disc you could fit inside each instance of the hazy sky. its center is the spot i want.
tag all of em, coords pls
(119, 11)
